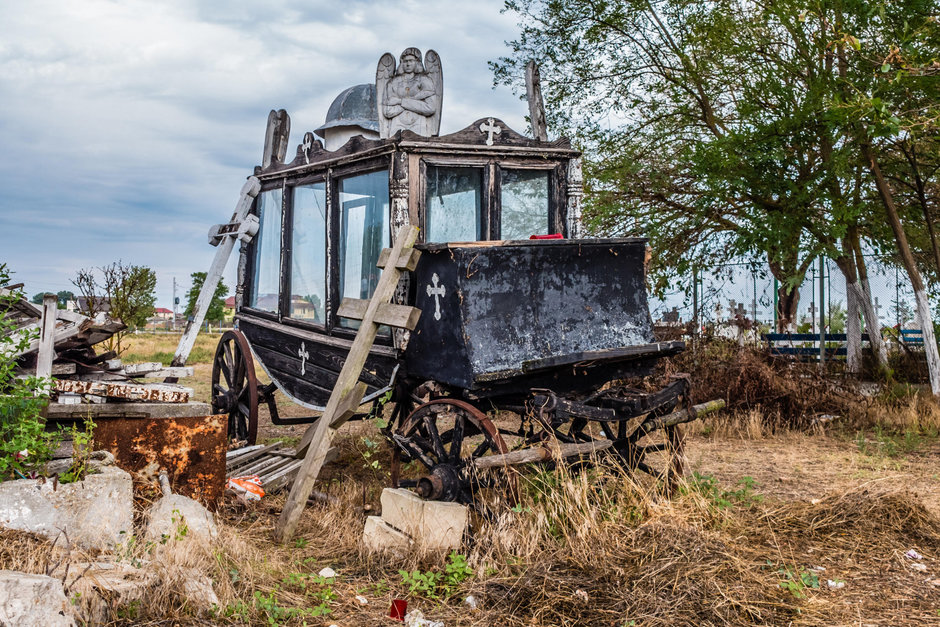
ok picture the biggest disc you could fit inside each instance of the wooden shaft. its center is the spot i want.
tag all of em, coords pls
(222, 253)
(541, 454)
(47, 336)
(346, 384)
(681, 416)
(562, 451)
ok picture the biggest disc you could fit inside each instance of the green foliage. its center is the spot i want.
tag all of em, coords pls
(126, 291)
(708, 486)
(435, 584)
(797, 581)
(317, 589)
(885, 443)
(216, 310)
(736, 128)
(24, 443)
(81, 453)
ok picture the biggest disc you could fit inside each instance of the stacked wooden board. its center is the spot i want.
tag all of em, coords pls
(274, 464)
(79, 372)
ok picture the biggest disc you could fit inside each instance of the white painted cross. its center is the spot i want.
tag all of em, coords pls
(304, 356)
(437, 293)
(490, 128)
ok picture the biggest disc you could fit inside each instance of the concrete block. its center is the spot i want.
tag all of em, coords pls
(434, 525)
(33, 601)
(378, 535)
(96, 589)
(404, 510)
(443, 525)
(95, 513)
(178, 517)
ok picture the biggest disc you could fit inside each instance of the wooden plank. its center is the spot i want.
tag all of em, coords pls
(238, 452)
(177, 372)
(533, 90)
(47, 337)
(348, 381)
(158, 392)
(407, 261)
(282, 477)
(64, 368)
(224, 250)
(389, 314)
(263, 464)
(348, 405)
(243, 459)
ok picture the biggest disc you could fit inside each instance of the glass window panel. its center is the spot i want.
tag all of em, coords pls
(524, 206)
(364, 232)
(308, 254)
(453, 204)
(267, 262)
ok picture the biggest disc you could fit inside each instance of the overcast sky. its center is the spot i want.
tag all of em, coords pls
(127, 128)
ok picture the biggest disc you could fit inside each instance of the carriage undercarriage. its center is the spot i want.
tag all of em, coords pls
(447, 444)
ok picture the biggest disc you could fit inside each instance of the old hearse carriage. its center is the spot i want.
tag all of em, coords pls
(547, 328)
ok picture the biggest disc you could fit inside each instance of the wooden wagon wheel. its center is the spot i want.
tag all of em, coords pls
(642, 448)
(445, 436)
(235, 387)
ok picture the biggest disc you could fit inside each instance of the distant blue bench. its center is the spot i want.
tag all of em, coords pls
(913, 337)
(807, 352)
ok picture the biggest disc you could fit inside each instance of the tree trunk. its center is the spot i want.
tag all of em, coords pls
(872, 322)
(853, 327)
(922, 199)
(853, 332)
(923, 306)
(787, 301)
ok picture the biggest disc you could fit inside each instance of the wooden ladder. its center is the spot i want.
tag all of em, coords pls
(348, 392)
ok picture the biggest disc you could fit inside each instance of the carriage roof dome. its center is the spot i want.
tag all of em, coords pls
(354, 106)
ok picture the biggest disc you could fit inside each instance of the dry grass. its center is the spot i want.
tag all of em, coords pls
(765, 506)
(595, 547)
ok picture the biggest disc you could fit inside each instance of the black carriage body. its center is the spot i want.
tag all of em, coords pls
(513, 314)
(502, 317)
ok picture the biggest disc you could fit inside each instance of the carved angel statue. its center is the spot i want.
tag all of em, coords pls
(410, 94)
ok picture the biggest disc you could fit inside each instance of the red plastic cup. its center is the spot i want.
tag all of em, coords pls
(398, 610)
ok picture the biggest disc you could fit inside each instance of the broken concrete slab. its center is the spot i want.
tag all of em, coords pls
(98, 589)
(380, 536)
(95, 513)
(434, 525)
(178, 517)
(33, 601)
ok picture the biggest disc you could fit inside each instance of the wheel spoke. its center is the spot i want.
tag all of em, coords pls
(457, 438)
(438, 449)
(479, 450)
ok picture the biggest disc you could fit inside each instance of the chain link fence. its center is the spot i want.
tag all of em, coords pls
(743, 290)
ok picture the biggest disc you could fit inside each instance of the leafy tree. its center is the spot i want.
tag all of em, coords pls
(64, 296)
(216, 311)
(736, 128)
(128, 292)
(37, 298)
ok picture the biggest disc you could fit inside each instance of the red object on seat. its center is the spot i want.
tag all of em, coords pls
(551, 236)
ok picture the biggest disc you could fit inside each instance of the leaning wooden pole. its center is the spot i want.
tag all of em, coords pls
(348, 391)
(241, 226)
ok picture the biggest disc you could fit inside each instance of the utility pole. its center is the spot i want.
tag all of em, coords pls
(822, 313)
(175, 301)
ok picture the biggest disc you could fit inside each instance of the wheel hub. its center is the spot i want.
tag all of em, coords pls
(443, 484)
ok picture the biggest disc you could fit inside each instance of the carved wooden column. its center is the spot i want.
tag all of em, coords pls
(398, 192)
(398, 197)
(575, 193)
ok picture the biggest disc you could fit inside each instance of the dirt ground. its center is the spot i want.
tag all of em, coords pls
(782, 528)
